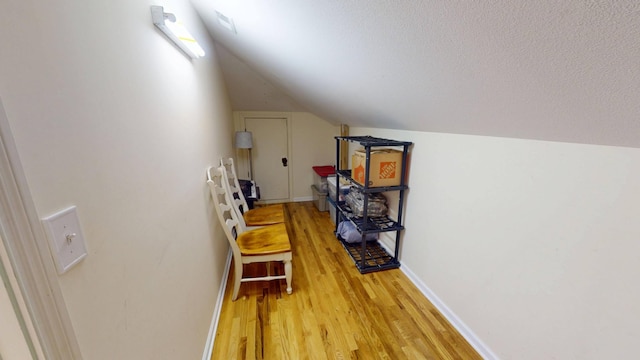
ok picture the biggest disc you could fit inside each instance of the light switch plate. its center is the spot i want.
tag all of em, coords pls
(66, 239)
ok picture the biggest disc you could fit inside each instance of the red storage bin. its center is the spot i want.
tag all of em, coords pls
(320, 174)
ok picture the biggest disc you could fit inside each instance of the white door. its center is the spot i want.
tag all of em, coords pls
(270, 157)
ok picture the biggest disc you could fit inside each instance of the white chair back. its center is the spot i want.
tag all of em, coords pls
(226, 214)
(233, 187)
(234, 183)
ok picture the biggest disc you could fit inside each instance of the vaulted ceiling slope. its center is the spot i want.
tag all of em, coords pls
(551, 70)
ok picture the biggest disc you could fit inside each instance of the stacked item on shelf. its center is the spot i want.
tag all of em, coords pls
(349, 233)
(320, 187)
(377, 205)
(333, 188)
(335, 195)
(319, 198)
(385, 167)
(320, 174)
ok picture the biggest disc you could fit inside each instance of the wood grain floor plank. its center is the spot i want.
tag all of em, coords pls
(334, 312)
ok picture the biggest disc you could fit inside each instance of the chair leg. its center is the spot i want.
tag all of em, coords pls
(287, 274)
(237, 277)
(268, 268)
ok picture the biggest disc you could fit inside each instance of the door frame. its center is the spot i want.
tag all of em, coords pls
(30, 257)
(23, 339)
(242, 160)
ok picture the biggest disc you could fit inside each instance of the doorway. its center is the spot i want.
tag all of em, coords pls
(270, 156)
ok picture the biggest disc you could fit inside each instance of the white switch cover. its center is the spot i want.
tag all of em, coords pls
(66, 239)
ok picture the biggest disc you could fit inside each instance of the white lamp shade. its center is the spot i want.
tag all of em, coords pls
(244, 140)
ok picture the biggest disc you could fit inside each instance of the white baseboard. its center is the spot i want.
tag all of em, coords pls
(296, 199)
(455, 321)
(208, 349)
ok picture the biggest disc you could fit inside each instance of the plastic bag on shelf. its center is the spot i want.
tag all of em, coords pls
(377, 205)
(348, 232)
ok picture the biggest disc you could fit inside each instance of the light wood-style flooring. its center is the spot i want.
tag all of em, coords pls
(334, 312)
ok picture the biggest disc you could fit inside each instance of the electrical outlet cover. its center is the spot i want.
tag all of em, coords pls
(65, 238)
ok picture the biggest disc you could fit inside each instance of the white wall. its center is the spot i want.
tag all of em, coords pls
(533, 245)
(313, 143)
(109, 116)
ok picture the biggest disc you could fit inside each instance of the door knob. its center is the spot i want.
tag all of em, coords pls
(284, 162)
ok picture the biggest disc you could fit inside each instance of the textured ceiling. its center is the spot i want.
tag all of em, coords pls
(550, 70)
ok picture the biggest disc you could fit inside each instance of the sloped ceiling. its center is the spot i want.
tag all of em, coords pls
(550, 70)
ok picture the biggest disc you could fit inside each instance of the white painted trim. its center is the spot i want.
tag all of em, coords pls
(455, 321)
(18, 327)
(26, 245)
(303, 198)
(208, 350)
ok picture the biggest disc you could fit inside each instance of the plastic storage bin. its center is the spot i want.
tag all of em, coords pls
(320, 174)
(332, 213)
(319, 198)
(344, 188)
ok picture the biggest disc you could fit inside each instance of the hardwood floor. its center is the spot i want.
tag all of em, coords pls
(334, 312)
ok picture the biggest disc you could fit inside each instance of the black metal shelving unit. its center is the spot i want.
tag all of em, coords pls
(370, 256)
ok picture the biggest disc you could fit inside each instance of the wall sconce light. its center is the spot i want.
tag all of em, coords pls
(176, 32)
(245, 141)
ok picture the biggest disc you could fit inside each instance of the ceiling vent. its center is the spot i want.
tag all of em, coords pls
(226, 22)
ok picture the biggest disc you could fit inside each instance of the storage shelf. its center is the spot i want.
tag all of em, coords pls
(371, 256)
(376, 257)
(373, 141)
(372, 225)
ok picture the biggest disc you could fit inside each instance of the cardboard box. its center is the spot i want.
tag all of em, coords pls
(386, 167)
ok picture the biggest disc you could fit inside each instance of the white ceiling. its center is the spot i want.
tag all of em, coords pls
(552, 70)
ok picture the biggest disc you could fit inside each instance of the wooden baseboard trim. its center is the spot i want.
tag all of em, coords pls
(455, 321)
(208, 349)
